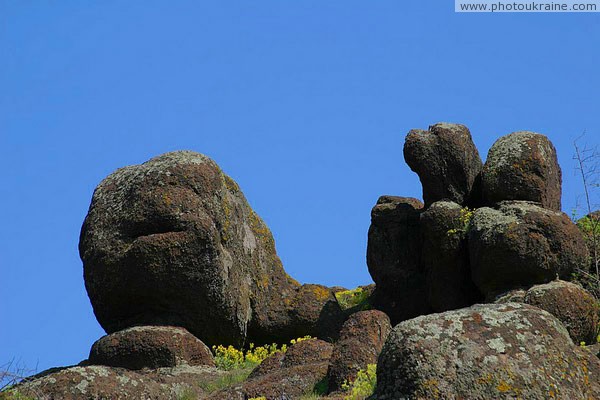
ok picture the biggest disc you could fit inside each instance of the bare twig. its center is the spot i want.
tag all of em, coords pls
(588, 167)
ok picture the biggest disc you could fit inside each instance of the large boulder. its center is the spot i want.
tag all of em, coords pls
(96, 382)
(393, 253)
(521, 244)
(361, 338)
(150, 347)
(491, 351)
(445, 256)
(173, 241)
(446, 160)
(286, 375)
(522, 166)
(574, 306)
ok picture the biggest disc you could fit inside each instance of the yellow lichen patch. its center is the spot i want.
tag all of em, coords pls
(503, 386)
(167, 199)
(231, 184)
(430, 389)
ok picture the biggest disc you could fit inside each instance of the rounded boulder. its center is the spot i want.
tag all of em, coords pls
(522, 166)
(361, 339)
(173, 241)
(446, 160)
(150, 347)
(489, 351)
(574, 306)
(521, 244)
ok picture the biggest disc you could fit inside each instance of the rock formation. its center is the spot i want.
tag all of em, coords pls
(449, 255)
(150, 347)
(522, 166)
(173, 241)
(520, 244)
(486, 352)
(574, 306)
(393, 257)
(174, 258)
(446, 160)
(361, 339)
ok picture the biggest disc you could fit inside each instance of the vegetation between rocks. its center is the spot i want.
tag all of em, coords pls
(364, 384)
(229, 358)
(358, 298)
(464, 220)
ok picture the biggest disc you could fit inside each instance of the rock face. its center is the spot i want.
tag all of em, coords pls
(100, 382)
(445, 256)
(522, 166)
(446, 161)
(521, 244)
(284, 376)
(486, 351)
(393, 254)
(574, 306)
(361, 339)
(150, 347)
(173, 241)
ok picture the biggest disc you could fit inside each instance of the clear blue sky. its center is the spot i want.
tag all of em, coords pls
(304, 103)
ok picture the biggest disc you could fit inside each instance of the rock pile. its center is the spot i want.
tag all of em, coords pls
(174, 258)
(484, 229)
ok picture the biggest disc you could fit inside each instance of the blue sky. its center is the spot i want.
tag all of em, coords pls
(304, 103)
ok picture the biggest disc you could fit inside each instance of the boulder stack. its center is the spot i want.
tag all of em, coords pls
(482, 231)
(174, 258)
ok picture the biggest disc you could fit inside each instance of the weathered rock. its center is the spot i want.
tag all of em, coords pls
(393, 253)
(486, 351)
(101, 382)
(522, 166)
(445, 256)
(594, 349)
(574, 306)
(361, 339)
(520, 244)
(173, 241)
(512, 296)
(284, 376)
(150, 347)
(446, 160)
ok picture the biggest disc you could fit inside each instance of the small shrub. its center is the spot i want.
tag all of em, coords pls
(364, 384)
(230, 378)
(586, 275)
(187, 394)
(464, 222)
(229, 358)
(358, 297)
(298, 340)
